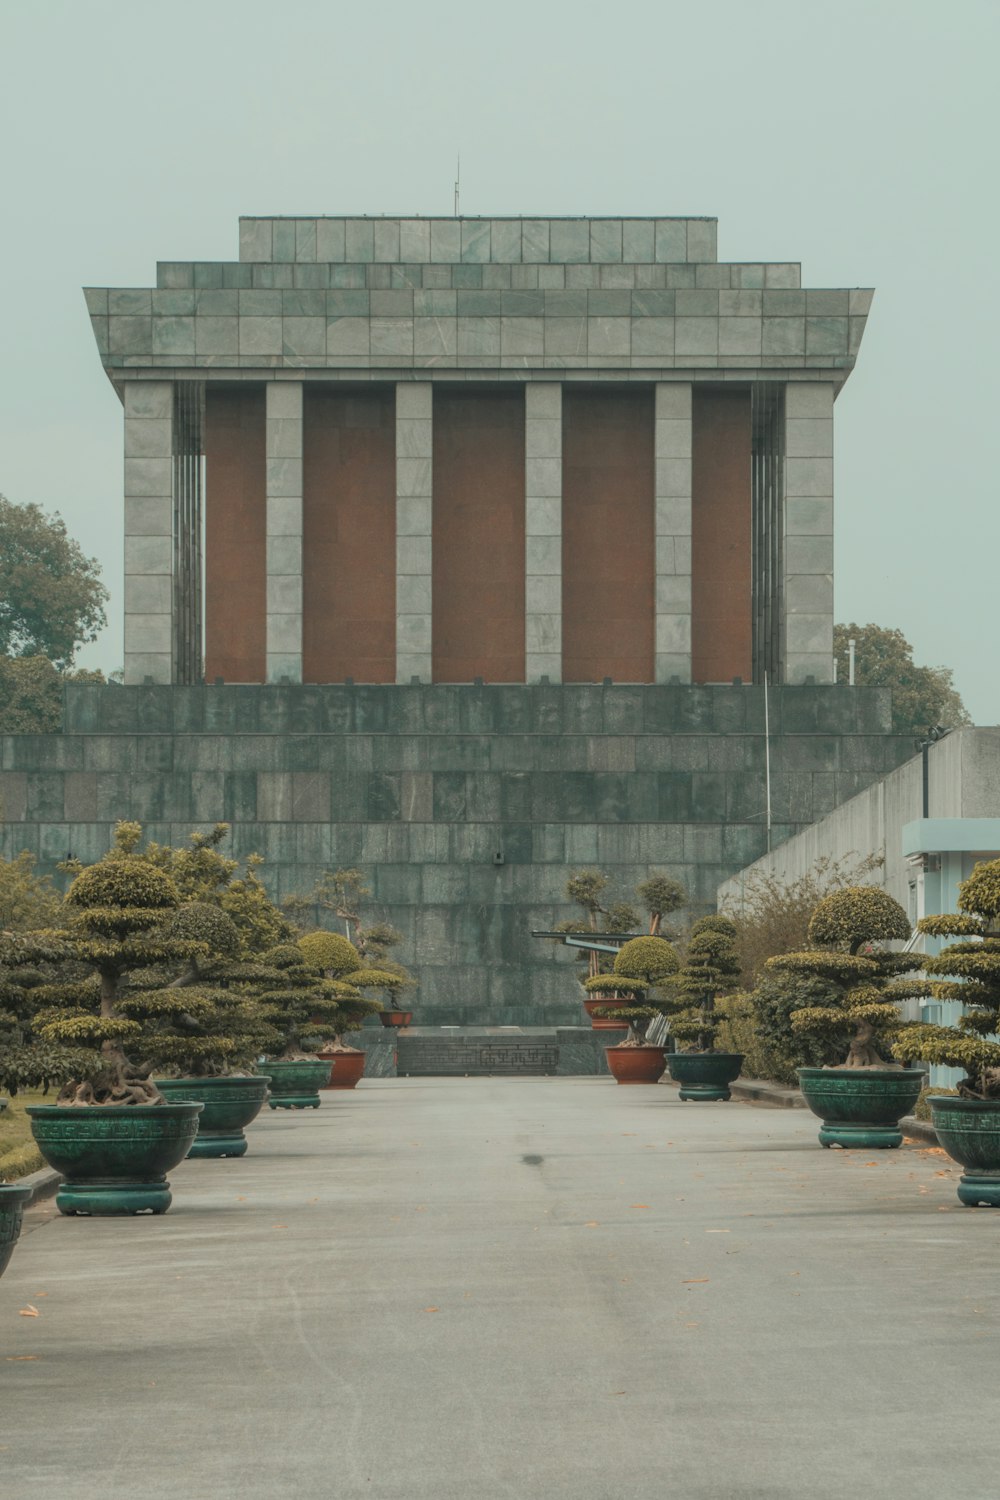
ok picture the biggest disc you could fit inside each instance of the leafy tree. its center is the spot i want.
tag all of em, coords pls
(922, 697)
(31, 694)
(206, 1022)
(968, 971)
(849, 1004)
(337, 957)
(646, 962)
(300, 1003)
(660, 895)
(51, 596)
(773, 915)
(116, 916)
(25, 1060)
(27, 900)
(711, 967)
(201, 872)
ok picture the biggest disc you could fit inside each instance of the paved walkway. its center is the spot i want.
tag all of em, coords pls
(534, 1289)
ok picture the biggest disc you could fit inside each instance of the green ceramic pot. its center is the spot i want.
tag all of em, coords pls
(12, 1200)
(705, 1075)
(114, 1157)
(296, 1085)
(230, 1105)
(861, 1106)
(969, 1130)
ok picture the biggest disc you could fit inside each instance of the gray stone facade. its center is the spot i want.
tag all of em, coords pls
(423, 787)
(541, 302)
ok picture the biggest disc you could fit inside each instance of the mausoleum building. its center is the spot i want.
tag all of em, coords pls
(459, 551)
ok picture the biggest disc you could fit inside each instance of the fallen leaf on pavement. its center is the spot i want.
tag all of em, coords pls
(432, 1309)
(694, 1280)
(13, 1359)
(638, 1205)
(30, 1312)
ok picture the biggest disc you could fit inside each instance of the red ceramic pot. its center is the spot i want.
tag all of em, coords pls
(346, 1068)
(636, 1064)
(395, 1017)
(604, 1002)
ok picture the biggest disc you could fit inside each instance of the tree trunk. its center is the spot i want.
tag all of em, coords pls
(863, 1053)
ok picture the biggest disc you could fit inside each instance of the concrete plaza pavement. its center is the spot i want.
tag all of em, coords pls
(530, 1288)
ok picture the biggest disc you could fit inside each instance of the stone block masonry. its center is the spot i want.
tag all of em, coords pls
(465, 806)
(647, 398)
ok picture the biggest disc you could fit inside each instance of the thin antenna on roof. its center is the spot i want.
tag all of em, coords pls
(458, 179)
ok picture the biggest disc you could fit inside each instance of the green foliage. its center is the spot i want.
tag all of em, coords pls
(147, 956)
(969, 972)
(31, 694)
(202, 872)
(585, 889)
(296, 999)
(660, 895)
(857, 915)
(620, 917)
(27, 900)
(613, 984)
(711, 967)
(646, 959)
(331, 952)
(773, 915)
(199, 922)
(922, 697)
(51, 596)
(740, 1030)
(979, 896)
(826, 996)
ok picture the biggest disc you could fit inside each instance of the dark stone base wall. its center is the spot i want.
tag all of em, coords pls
(423, 787)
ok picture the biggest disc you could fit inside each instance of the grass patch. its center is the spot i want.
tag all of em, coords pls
(18, 1153)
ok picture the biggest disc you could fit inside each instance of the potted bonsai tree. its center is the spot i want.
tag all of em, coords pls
(608, 997)
(387, 980)
(862, 1100)
(647, 961)
(111, 1133)
(711, 967)
(303, 1007)
(207, 1029)
(967, 1124)
(336, 956)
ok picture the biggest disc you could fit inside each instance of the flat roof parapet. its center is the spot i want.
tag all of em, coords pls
(480, 240)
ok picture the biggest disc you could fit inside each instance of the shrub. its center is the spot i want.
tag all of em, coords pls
(710, 967)
(646, 959)
(329, 951)
(968, 971)
(836, 995)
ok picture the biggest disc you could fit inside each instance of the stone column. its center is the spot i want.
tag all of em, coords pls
(673, 531)
(543, 530)
(807, 584)
(284, 530)
(414, 467)
(149, 528)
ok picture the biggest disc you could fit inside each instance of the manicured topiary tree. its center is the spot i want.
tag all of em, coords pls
(205, 1023)
(711, 968)
(968, 971)
(854, 1007)
(297, 999)
(26, 1060)
(661, 895)
(646, 962)
(117, 915)
(336, 956)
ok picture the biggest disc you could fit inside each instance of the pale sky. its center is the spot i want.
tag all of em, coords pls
(859, 137)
